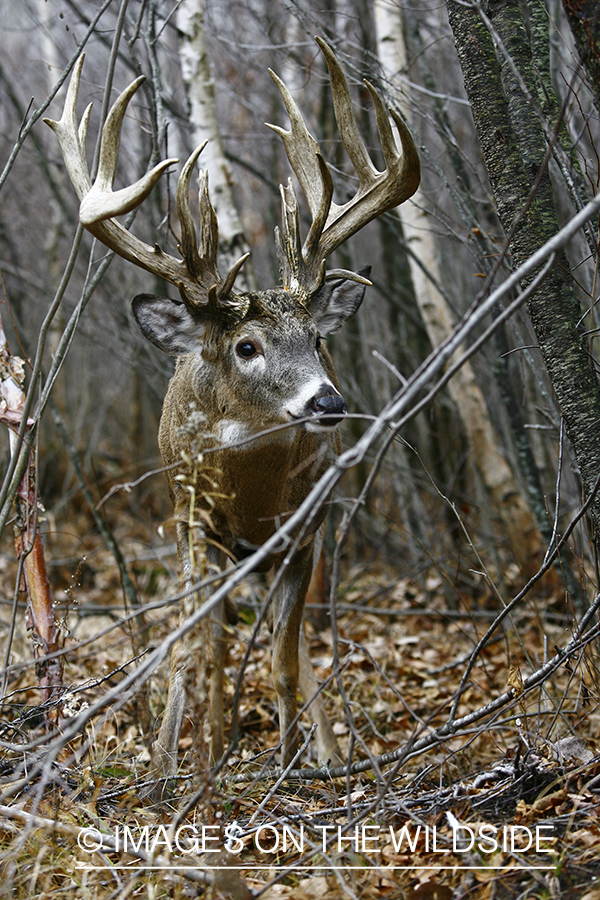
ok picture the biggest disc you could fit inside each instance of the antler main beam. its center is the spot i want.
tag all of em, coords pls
(197, 275)
(303, 267)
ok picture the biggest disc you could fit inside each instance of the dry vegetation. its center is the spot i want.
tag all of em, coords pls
(402, 650)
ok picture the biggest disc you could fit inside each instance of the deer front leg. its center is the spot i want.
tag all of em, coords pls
(164, 751)
(164, 755)
(288, 610)
(217, 653)
(327, 746)
(292, 667)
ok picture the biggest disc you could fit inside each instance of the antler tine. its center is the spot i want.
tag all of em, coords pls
(287, 244)
(301, 149)
(224, 291)
(346, 118)
(209, 229)
(202, 260)
(73, 137)
(101, 202)
(188, 247)
(98, 201)
(377, 192)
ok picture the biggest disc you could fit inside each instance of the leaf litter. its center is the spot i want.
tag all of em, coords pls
(506, 807)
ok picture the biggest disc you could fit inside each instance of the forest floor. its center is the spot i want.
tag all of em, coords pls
(507, 806)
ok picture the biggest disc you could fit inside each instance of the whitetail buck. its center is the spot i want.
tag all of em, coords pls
(249, 362)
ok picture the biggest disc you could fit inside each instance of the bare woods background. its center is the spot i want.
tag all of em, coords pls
(485, 451)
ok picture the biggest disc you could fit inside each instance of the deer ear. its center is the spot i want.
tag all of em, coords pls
(336, 302)
(168, 324)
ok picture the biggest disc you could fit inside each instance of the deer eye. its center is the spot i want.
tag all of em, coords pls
(247, 349)
(318, 344)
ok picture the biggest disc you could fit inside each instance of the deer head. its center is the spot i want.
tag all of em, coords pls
(209, 312)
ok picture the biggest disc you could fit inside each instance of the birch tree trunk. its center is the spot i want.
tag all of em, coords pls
(515, 515)
(200, 89)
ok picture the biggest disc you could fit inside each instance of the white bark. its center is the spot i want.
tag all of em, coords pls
(466, 394)
(200, 90)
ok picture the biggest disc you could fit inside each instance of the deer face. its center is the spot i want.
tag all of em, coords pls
(264, 363)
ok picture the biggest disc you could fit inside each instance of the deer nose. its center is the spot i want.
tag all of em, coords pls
(331, 408)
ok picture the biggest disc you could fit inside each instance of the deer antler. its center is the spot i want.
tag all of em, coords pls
(303, 267)
(197, 275)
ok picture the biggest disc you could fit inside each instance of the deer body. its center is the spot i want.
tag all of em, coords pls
(262, 467)
(254, 386)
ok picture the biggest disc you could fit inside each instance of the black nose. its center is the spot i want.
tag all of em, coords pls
(330, 408)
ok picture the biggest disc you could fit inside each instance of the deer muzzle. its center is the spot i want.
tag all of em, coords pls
(329, 407)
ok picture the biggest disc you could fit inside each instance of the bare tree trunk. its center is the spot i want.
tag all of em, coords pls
(517, 519)
(195, 69)
(515, 153)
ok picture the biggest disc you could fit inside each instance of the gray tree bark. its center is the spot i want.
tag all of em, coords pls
(515, 153)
